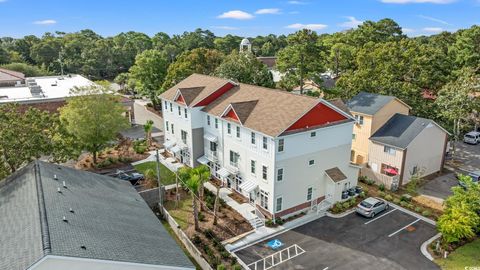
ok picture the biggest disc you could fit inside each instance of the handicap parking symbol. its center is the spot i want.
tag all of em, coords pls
(274, 244)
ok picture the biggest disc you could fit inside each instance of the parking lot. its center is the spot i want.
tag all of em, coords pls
(391, 240)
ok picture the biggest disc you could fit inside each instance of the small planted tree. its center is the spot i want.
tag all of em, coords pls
(148, 127)
(193, 184)
(203, 173)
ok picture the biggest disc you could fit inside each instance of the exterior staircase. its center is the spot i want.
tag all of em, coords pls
(259, 219)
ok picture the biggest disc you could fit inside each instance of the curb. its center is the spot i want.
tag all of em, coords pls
(341, 215)
(430, 221)
(425, 244)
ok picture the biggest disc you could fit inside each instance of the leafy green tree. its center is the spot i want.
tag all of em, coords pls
(160, 40)
(94, 117)
(301, 59)
(26, 134)
(47, 51)
(197, 39)
(461, 218)
(227, 43)
(456, 101)
(201, 60)
(203, 173)
(467, 47)
(28, 70)
(193, 184)
(4, 56)
(149, 73)
(244, 68)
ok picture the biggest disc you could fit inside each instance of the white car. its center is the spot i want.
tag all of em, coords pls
(472, 137)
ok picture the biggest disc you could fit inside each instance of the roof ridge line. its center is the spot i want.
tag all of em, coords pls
(47, 248)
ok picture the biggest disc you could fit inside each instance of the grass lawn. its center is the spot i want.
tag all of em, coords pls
(167, 177)
(462, 257)
(183, 214)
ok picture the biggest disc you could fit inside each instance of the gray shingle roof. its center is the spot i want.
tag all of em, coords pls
(400, 130)
(110, 219)
(368, 103)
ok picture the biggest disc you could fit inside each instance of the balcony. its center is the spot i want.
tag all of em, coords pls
(212, 155)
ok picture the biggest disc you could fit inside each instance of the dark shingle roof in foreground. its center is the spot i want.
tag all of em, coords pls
(400, 130)
(110, 220)
(368, 103)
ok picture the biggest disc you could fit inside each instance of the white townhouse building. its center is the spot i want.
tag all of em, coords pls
(284, 152)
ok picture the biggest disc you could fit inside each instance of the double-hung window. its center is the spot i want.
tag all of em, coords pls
(171, 107)
(264, 199)
(359, 119)
(278, 206)
(185, 113)
(229, 128)
(166, 125)
(216, 122)
(179, 111)
(238, 132)
(280, 174)
(253, 165)
(264, 172)
(234, 158)
(253, 139)
(281, 145)
(173, 129)
(309, 194)
(265, 143)
(208, 120)
(389, 150)
(184, 136)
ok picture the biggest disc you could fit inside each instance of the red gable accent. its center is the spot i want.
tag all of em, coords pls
(232, 115)
(321, 114)
(180, 99)
(209, 99)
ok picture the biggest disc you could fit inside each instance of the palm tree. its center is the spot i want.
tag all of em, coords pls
(183, 174)
(148, 127)
(215, 206)
(193, 184)
(203, 173)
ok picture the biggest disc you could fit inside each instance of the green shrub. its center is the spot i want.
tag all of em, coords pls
(140, 146)
(209, 234)
(381, 187)
(388, 197)
(370, 181)
(279, 221)
(362, 178)
(403, 203)
(201, 216)
(233, 260)
(196, 239)
(396, 201)
(221, 267)
(362, 194)
(346, 205)
(406, 198)
(236, 267)
(381, 194)
(269, 223)
(418, 209)
(411, 206)
(225, 254)
(426, 213)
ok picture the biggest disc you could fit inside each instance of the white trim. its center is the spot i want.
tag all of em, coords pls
(316, 129)
(283, 174)
(33, 266)
(276, 203)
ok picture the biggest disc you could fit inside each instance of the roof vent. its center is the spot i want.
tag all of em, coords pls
(71, 210)
(55, 177)
(65, 219)
(59, 190)
(64, 185)
(83, 247)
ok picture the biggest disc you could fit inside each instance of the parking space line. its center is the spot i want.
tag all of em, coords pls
(269, 261)
(392, 234)
(372, 220)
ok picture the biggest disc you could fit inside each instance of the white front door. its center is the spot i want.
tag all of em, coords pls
(330, 191)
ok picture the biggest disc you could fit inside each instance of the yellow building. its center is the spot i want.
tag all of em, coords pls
(371, 111)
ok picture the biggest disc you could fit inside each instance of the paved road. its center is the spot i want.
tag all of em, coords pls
(352, 242)
(468, 157)
(440, 187)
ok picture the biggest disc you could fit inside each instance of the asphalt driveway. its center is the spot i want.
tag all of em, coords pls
(440, 186)
(467, 157)
(389, 241)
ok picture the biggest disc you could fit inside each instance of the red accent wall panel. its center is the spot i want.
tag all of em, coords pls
(232, 115)
(319, 115)
(222, 90)
(180, 99)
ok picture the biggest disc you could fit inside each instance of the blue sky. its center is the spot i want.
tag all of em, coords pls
(239, 17)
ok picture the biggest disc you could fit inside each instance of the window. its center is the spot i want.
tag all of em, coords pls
(179, 111)
(264, 172)
(359, 119)
(311, 162)
(216, 122)
(184, 136)
(389, 150)
(278, 207)
(185, 112)
(265, 143)
(166, 124)
(313, 134)
(281, 145)
(280, 174)
(173, 130)
(238, 132)
(234, 158)
(171, 107)
(166, 104)
(253, 138)
(309, 194)
(354, 136)
(264, 199)
(213, 146)
(253, 166)
(229, 128)
(208, 120)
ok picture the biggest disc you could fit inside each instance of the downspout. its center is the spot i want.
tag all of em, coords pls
(273, 181)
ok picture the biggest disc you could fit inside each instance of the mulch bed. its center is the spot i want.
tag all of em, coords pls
(237, 197)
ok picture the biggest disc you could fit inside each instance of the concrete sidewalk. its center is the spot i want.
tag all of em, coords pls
(244, 209)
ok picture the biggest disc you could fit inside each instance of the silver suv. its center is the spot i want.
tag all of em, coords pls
(472, 137)
(371, 206)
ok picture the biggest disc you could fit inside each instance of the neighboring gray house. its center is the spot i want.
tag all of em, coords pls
(54, 217)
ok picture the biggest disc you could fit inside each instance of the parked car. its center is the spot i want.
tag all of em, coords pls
(133, 178)
(472, 137)
(371, 206)
(475, 178)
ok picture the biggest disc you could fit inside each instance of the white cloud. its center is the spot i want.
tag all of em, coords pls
(268, 11)
(407, 30)
(236, 14)
(45, 22)
(351, 23)
(417, 1)
(311, 26)
(224, 27)
(433, 19)
(433, 29)
(294, 2)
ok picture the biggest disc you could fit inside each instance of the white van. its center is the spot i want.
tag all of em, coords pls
(472, 137)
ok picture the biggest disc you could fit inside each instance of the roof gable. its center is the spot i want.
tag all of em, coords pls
(317, 116)
(240, 111)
